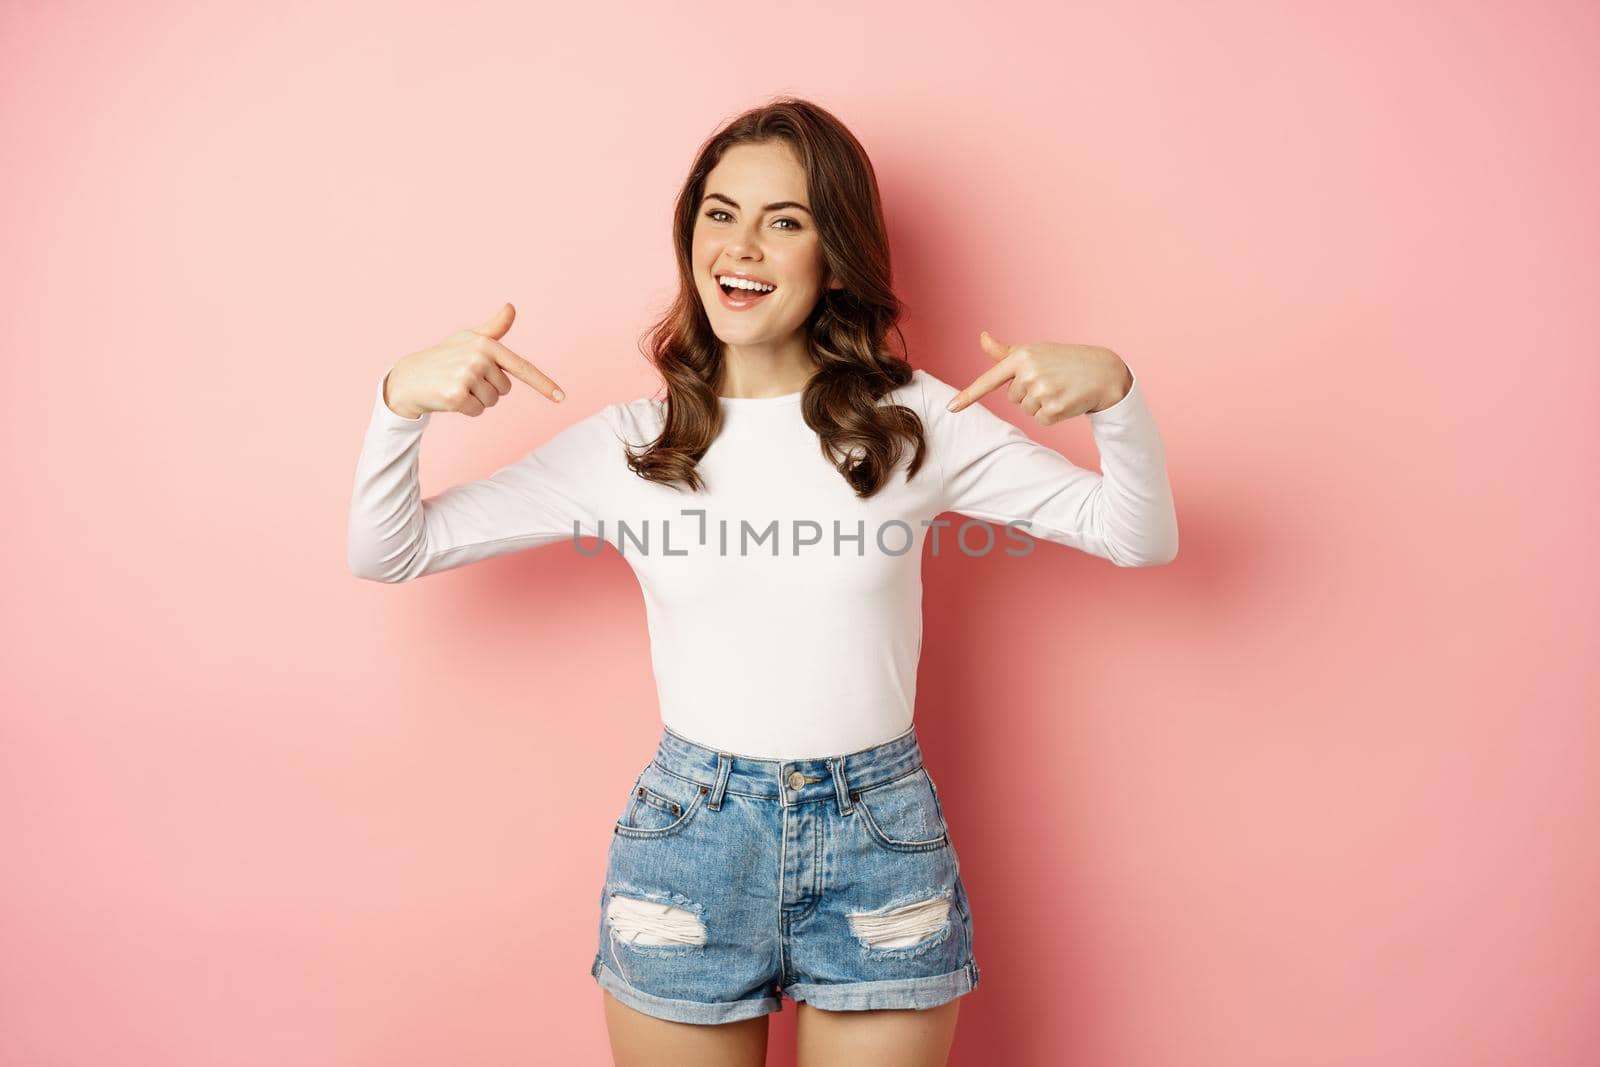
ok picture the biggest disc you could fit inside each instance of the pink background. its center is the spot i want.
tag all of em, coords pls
(1321, 792)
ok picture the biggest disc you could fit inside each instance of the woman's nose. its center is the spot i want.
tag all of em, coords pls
(743, 245)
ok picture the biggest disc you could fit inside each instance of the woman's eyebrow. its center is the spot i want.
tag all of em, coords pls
(769, 207)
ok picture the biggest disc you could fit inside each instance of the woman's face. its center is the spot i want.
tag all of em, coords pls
(755, 220)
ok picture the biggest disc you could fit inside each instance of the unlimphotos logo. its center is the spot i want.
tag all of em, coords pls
(778, 538)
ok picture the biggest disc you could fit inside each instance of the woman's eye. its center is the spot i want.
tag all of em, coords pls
(792, 223)
(714, 212)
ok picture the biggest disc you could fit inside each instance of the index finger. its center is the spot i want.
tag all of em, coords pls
(987, 382)
(520, 368)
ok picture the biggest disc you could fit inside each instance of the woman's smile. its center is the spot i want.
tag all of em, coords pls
(740, 291)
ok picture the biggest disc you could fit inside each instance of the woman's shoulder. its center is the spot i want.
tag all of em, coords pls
(633, 422)
(639, 420)
(930, 390)
(927, 394)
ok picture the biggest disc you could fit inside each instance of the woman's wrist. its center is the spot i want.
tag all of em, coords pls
(402, 411)
(1121, 379)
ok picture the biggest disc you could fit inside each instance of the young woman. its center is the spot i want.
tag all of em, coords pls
(785, 837)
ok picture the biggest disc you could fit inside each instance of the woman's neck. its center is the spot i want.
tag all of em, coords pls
(763, 371)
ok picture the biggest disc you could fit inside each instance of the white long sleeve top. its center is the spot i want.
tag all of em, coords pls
(785, 613)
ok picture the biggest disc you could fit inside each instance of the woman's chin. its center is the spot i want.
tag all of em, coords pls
(741, 330)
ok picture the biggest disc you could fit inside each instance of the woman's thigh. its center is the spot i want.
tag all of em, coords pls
(893, 1037)
(640, 1040)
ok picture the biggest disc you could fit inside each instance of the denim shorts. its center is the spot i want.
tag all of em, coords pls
(732, 880)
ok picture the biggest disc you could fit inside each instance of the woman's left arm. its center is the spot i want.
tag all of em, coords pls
(991, 470)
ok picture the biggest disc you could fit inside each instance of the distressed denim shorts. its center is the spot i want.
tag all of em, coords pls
(732, 880)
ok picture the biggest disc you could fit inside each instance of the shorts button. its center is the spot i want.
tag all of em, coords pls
(796, 779)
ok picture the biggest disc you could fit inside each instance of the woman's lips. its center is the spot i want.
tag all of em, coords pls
(743, 302)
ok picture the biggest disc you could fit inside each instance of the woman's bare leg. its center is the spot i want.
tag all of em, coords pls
(640, 1040)
(899, 1037)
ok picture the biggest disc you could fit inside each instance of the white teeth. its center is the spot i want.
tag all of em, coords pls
(741, 283)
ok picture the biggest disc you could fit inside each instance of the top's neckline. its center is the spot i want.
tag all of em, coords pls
(762, 401)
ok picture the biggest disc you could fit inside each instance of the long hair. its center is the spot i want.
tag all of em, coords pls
(847, 329)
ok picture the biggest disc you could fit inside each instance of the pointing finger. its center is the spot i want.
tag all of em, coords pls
(986, 382)
(521, 369)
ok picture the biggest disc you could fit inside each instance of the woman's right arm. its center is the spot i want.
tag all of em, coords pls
(395, 535)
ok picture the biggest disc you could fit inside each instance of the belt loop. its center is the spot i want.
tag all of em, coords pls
(841, 788)
(724, 767)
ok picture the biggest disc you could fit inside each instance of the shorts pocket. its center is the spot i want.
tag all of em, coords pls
(903, 815)
(660, 804)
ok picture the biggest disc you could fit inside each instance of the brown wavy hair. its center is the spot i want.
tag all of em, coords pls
(847, 329)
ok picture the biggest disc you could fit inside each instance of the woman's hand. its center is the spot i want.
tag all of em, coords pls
(1052, 382)
(465, 372)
